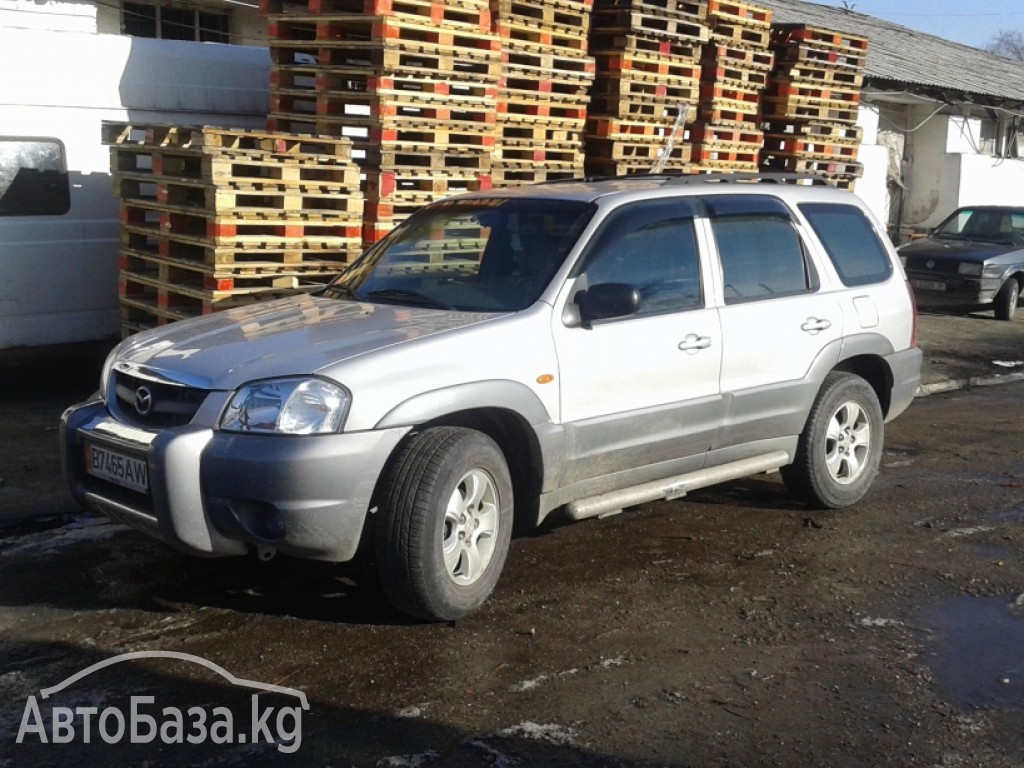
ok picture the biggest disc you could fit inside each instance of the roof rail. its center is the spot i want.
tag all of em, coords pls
(722, 177)
(769, 177)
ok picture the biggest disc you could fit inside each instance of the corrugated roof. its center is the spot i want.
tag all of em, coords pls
(899, 55)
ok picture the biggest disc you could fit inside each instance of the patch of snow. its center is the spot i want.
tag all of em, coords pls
(552, 733)
(1008, 363)
(872, 623)
(958, 533)
(407, 761)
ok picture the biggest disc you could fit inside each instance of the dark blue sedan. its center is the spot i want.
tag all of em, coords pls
(973, 260)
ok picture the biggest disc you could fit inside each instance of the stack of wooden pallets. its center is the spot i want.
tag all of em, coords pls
(545, 84)
(734, 73)
(413, 83)
(215, 218)
(646, 86)
(811, 103)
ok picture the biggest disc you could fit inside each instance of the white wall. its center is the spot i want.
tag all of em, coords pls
(48, 14)
(988, 180)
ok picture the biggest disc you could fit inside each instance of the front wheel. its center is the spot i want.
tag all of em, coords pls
(1006, 299)
(444, 526)
(840, 448)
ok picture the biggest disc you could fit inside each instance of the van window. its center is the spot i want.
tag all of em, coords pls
(33, 178)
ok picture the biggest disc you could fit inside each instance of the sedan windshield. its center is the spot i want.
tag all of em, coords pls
(994, 225)
(482, 255)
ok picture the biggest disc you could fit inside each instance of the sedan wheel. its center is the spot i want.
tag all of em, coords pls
(1006, 300)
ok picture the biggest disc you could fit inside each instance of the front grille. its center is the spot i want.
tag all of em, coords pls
(939, 266)
(156, 404)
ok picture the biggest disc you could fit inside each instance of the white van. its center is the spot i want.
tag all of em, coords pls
(58, 213)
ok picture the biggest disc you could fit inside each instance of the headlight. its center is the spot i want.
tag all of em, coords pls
(970, 268)
(300, 406)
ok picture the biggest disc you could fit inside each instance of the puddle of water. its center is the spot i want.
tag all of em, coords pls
(976, 652)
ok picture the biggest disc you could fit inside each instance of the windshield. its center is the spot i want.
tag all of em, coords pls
(996, 225)
(482, 255)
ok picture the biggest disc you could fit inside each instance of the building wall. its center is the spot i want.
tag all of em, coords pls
(51, 15)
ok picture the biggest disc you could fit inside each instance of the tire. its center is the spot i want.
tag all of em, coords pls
(445, 523)
(840, 448)
(1006, 299)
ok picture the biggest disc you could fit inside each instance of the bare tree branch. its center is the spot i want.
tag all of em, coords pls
(1009, 44)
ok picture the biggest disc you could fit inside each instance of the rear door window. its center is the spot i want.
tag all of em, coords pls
(33, 178)
(760, 250)
(850, 241)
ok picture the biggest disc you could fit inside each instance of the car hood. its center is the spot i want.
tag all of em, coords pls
(957, 250)
(294, 336)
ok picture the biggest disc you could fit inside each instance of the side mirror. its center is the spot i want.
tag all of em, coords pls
(607, 300)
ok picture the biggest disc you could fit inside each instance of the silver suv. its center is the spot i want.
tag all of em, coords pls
(583, 347)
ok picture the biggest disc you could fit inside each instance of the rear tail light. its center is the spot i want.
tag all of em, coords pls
(913, 312)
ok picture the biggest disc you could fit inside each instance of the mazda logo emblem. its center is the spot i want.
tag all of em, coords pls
(143, 401)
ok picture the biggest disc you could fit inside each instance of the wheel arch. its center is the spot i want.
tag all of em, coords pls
(505, 411)
(875, 371)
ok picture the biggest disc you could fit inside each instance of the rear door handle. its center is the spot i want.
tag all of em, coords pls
(815, 325)
(693, 342)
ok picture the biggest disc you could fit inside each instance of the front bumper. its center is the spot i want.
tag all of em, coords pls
(215, 493)
(952, 292)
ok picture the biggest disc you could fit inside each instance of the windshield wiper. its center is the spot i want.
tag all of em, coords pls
(336, 290)
(400, 295)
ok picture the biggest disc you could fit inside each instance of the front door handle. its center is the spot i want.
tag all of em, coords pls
(815, 325)
(693, 342)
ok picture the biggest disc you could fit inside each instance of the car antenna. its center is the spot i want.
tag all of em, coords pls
(677, 129)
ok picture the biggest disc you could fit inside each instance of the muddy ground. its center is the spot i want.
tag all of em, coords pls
(729, 628)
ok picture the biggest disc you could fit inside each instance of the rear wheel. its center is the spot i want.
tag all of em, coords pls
(839, 451)
(1006, 299)
(444, 526)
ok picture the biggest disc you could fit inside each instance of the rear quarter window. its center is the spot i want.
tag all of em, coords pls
(851, 242)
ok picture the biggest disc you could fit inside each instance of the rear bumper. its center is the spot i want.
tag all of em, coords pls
(215, 494)
(906, 379)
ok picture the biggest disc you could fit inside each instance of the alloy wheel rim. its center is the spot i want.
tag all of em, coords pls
(847, 443)
(470, 527)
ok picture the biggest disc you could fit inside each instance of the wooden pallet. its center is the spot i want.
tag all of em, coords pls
(802, 34)
(218, 228)
(638, 151)
(602, 167)
(223, 277)
(512, 151)
(520, 33)
(729, 11)
(732, 34)
(826, 132)
(212, 140)
(672, 27)
(557, 14)
(695, 9)
(797, 109)
(381, 57)
(821, 55)
(728, 75)
(530, 131)
(518, 174)
(601, 127)
(547, 63)
(790, 146)
(614, 42)
(797, 164)
(748, 138)
(730, 55)
(815, 93)
(815, 72)
(421, 8)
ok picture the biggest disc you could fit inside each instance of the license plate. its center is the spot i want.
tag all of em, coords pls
(121, 468)
(928, 285)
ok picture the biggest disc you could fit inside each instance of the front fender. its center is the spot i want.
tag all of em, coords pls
(496, 393)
